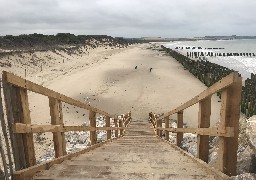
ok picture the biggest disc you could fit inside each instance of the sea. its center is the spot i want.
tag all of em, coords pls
(244, 64)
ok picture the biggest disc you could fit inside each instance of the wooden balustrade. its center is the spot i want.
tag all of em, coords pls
(18, 114)
(230, 88)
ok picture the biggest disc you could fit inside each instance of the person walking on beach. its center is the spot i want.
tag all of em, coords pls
(135, 67)
(150, 69)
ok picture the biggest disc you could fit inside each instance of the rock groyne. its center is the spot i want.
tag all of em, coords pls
(209, 73)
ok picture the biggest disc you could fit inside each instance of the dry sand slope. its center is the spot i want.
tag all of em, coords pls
(114, 85)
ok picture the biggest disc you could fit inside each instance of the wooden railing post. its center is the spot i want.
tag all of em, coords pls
(150, 118)
(203, 122)
(229, 117)
(18, 112)
(179, 137)
(62, 133)
(125, 118)
(16, 139)
(167, 125)
(116, 125)
(130, 116)
(57, 119)
(108, 125)
(28, 137)
(93, 134)
(121, 125)
(160, 124)
(156, 124)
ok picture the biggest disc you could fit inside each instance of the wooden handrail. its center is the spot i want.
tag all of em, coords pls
(26, 84)
(227, 130)
(220, 85)
(21, 128)
(34, 128)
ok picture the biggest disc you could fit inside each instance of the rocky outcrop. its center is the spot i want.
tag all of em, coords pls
(246, 176)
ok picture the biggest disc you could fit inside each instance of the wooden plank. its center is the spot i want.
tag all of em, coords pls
(3, 160)
(179, 136)
(29, 149)
(227, 132)
(167, 125)
(108, 125)
(5, 134)
(93, 134)
(229, 117)
(31, 171)
(150, 116)
(33, 128)
(160, 124)
(18, 146)
(210, 170)
(23, 83)
(121, 125)
(55, 120)
(153, 120)
(157, 130)
(203, 122)
(127, 120)
(116, 125)
(62, 133)
(222, 84)
(110, 128)
(217, 174)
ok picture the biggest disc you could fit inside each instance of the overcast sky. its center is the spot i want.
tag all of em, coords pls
(129, 18)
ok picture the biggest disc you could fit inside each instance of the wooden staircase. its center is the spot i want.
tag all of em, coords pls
(134, 149)
(137, 155)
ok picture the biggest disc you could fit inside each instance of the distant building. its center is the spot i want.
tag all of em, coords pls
(228, 37)
(151, 38)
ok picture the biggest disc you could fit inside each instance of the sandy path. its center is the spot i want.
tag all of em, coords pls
(115, 86)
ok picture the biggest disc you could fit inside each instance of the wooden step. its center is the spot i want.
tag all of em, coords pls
(137, 155)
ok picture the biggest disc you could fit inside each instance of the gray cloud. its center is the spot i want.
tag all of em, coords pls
(129, 18)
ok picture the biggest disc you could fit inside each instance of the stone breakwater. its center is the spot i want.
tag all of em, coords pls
(209, 73)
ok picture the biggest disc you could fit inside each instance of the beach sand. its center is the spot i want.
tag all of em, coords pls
(114, 85)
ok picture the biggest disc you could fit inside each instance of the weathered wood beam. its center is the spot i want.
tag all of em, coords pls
(108, 125)
(167, 125)
(203, 122)
(28, 142)
(229, 117)
(222, 84)
(23, 83)
(55, 120)
(179, 136)
(93, 134)
(33, 128)
(31, 171)
(226, 132)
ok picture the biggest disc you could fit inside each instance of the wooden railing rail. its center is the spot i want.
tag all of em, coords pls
(28, 85)
(227, 130)
(18, 115)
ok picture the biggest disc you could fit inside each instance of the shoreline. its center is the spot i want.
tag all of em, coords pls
(209, 73)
